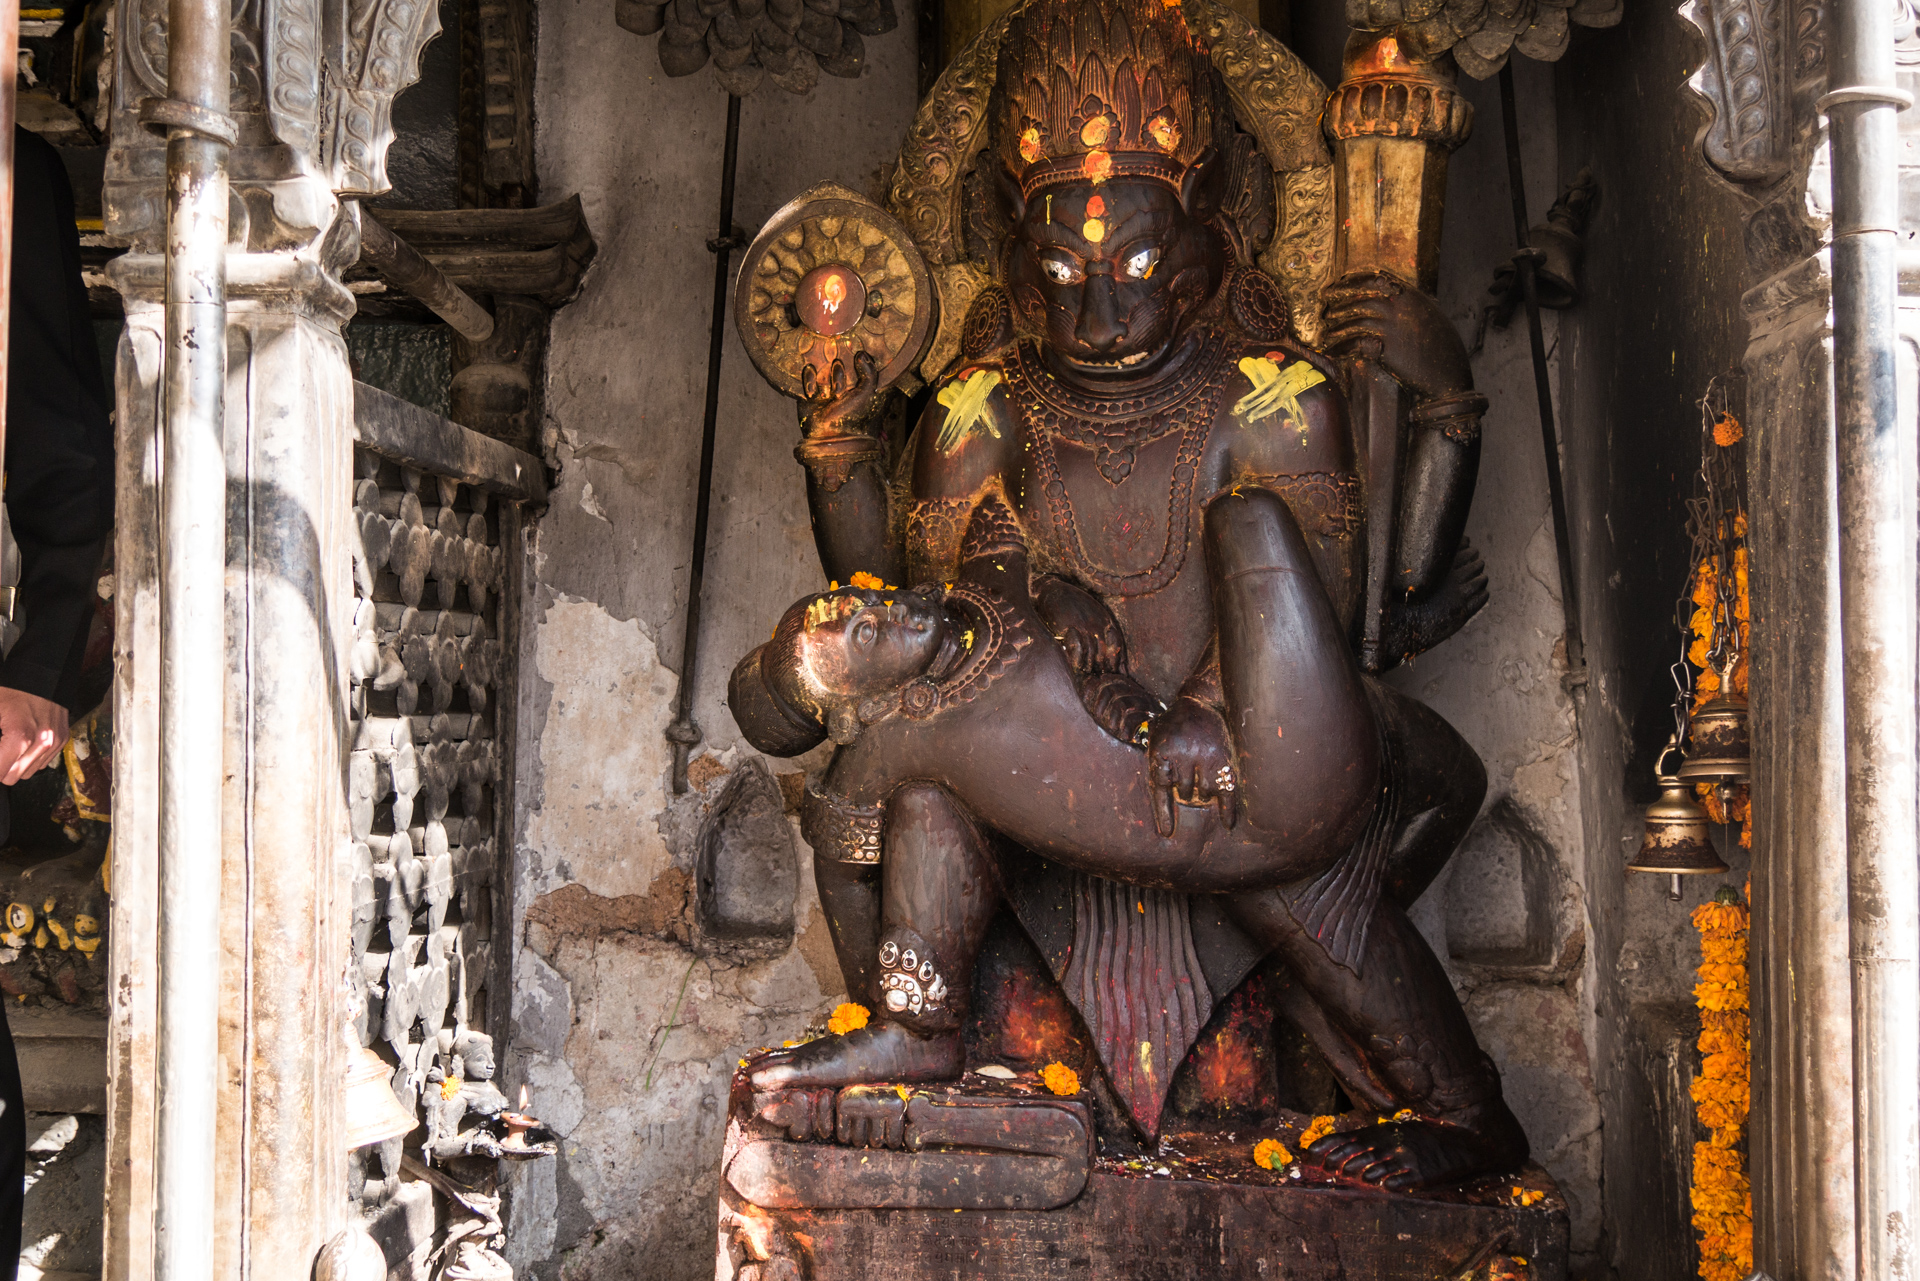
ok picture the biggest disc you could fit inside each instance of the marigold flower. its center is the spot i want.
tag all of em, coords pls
(848, 1017)
(1060, 1078)
(1727, 431)
(861, 578)
(1270, 1154)
(1322, 1126)
(449, 1087)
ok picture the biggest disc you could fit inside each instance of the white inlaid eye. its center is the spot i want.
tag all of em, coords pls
(1064, 273)
(1140, 265)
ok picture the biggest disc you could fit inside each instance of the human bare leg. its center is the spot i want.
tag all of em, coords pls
(938, 895)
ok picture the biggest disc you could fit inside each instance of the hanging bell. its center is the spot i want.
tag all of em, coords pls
(1719, 743)
(1676, 841)
(374, 1113)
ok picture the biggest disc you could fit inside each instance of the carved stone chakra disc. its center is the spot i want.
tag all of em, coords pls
(830, 276)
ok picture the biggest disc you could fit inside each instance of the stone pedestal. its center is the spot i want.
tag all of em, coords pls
(1001, 1180)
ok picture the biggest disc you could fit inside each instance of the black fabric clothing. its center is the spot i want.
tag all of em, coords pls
(59, 460)
(59, 493)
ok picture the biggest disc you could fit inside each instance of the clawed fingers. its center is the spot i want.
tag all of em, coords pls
(1354, 333)
(1163, 818)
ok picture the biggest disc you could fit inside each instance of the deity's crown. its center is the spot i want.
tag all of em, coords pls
(1090, 90)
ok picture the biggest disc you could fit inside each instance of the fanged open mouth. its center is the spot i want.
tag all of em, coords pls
(1134, 361)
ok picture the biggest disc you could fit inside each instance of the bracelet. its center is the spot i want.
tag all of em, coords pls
(1457, 416)
(832, 460)
(1459, 404)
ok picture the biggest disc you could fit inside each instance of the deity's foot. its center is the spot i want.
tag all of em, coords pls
(1403, 1156)
(881, 1051)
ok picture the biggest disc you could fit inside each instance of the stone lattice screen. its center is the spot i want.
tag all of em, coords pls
(431, 719)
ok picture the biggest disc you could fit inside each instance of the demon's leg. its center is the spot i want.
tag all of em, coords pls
(937, 896)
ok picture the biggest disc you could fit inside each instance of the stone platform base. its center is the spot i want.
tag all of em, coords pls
(1198, 1210)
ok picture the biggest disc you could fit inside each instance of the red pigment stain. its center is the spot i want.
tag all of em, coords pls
(1037, 1024)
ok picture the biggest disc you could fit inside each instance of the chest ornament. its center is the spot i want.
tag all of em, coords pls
(1113, 428)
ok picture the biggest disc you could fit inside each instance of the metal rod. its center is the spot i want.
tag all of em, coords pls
(1525, 263)
(407, 269)
(684, 733)
(1876, 481)
(192, 635)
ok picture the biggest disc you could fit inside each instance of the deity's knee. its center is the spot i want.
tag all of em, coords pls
(1250, 530)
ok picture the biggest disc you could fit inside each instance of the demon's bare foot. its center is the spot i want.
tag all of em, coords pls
(1402, 1156)
(1416, 626)
(881, 1051)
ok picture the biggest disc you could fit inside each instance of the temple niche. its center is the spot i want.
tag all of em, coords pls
(634, 1007)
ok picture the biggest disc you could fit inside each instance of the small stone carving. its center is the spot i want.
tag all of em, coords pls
(750, 41)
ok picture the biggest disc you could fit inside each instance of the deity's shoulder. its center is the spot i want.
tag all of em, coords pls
(967, 434)
(1285, 408)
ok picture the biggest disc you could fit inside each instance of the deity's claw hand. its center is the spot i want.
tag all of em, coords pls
(840, 404)
(1084, 626)
(1190, 762)
(1121, 706)
(1376, 315)
(1418, 624)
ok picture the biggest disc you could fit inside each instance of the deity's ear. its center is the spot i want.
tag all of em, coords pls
(1011, 197)
(1199, 188)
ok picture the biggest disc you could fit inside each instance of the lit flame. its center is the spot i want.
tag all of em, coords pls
(523, 1098)
(833, 292)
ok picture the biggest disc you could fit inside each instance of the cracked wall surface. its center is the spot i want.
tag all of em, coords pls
(627, 1016)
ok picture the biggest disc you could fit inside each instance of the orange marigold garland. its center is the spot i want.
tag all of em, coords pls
(1722, 1196)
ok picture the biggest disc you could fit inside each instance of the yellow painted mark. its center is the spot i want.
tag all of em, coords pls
(966, 406)
(1275, 390)
(60, 933)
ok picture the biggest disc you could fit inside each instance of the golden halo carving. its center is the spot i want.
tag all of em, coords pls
(830, 276)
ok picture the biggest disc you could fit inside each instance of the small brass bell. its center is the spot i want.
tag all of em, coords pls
(374, 1114)
(1721, 751)
(1676, 841)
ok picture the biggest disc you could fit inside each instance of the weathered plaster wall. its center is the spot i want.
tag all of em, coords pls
(628, 1013)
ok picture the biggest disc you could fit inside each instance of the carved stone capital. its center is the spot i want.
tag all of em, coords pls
(313, 89)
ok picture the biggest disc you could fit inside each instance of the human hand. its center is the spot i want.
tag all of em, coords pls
(1375, 315)
(32, 732)
(1083, 625)
(1190, 762)
(840, 403)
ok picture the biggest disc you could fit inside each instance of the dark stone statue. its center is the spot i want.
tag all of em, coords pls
(1130, 532)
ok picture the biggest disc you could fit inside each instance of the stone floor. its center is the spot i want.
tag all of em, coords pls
(66, 1178)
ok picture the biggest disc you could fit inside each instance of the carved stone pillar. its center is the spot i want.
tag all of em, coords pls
(304, 137)
(1765, 68)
